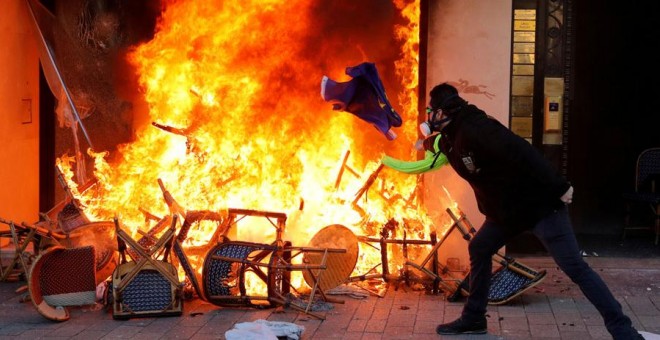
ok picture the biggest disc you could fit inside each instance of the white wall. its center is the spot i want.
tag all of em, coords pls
(469, 40)
(19, 116)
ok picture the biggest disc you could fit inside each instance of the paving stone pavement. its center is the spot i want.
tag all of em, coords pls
(554, 309)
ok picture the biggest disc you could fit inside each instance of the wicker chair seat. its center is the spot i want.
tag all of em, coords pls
(223, 279)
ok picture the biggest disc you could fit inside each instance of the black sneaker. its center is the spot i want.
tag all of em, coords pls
(460, 326)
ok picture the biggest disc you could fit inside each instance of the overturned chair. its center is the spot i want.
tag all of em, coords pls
(148, 283)
(508, 281)
(228, 266)
(511, 279)
(62, 277)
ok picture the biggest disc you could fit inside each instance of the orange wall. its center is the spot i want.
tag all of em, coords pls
(19, 116)
(468, 40)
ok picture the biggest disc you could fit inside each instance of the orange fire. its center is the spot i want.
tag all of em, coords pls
(234, 88)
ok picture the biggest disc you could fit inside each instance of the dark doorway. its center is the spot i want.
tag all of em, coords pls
(613, 114)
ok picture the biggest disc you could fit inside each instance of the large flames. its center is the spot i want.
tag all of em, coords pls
(235, 120)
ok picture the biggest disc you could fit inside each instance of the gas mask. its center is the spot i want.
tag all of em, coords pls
(425, 129)
(431, 125)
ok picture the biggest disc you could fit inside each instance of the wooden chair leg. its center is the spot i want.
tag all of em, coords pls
(626, 221)
(657, 223)
(21, 242)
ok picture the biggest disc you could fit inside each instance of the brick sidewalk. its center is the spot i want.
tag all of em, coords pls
(555, 309)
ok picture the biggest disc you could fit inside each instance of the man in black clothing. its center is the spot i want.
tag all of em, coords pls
(517, 190)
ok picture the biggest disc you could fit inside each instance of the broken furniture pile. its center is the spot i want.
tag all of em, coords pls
(510, 278)
(143, 279)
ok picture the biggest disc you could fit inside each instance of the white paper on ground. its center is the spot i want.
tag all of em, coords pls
(264, 330)
(253, 331)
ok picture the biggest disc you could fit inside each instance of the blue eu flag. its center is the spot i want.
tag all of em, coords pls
(364, 96)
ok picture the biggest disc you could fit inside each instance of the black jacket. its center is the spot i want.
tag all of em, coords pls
(513, 184)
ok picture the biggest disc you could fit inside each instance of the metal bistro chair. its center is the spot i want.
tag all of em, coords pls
(647, 190)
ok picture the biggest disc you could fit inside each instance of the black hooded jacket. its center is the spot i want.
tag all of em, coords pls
(515, 186)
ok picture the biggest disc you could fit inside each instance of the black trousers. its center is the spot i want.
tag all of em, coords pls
(556, 234)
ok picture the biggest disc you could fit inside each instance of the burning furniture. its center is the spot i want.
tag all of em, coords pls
(227, 263)
(274, 262)
(383, 243)
(339, 266)
(509, 280)
(146, 285)
(387, 232)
